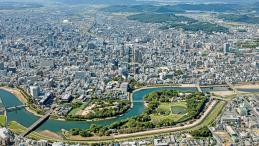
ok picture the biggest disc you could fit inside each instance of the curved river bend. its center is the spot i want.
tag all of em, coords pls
(26, 118)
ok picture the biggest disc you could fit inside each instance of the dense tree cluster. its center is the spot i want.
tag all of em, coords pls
(83, 133)
(160, 18)
(203, 132)
(178, 22)
(195, 103)
(179, 8)
(141, 8)
(161, 96)
(133, 84)
(200, 26)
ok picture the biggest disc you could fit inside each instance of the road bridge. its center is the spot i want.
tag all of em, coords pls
(233, 88)
(198, 87)
(37, 124)
(219, 98)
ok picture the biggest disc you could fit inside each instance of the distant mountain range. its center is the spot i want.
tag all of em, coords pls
(96, 1)
(230, 1)
(172, 8)
(18, 5)
(204, 1)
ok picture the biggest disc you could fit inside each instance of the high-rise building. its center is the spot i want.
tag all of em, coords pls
(50, 39)
(115, 64)
(138, 56)
(35, 91)
(257, 64)
(257, 61)
(226, 47)
(125, 86)
(1, 66)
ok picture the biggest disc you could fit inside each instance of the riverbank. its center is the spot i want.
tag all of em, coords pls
(20, 96)
(76, 126)
(16, 92)
(166, 86)
(211, 113)
(19, 129)
(247, 86)
(206, 119)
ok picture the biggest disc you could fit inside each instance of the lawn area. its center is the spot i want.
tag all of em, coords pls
(168, 107)
(172, 111)
(2, 120)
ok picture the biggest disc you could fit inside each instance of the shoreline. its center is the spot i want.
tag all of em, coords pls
(248, 86)
(21, 97)
(154, 131)
(16, 92)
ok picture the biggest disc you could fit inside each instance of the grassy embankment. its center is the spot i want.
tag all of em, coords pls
(2, 120)
(19, 129)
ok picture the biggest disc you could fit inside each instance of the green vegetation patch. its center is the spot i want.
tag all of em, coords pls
(178, 22)
(173, 111)
(164, 108)
(180, 8)
(76, 107)
(19, 129)
(201, 133)
(248, 44)
(2, 120)
(200, 26)
(140, 8)
(160, 18)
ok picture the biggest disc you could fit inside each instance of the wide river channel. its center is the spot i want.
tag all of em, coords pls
(26, 118)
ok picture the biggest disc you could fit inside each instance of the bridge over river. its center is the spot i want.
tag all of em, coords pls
(27, 119)
(37, 123)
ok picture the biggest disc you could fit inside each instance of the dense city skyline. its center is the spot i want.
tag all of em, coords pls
(127, 72)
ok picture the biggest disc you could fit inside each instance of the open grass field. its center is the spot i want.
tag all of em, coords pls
(2, 120)
(172, 111)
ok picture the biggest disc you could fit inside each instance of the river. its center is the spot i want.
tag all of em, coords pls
(26, 118)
